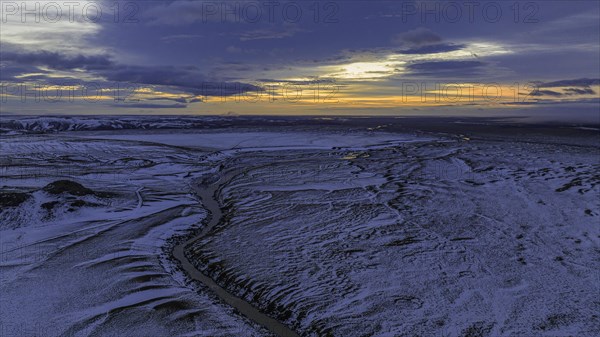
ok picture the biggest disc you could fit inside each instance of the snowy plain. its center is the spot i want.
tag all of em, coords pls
(334, 232)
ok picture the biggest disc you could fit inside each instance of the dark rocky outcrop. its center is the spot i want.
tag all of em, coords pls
(67, 186)
(13, 199)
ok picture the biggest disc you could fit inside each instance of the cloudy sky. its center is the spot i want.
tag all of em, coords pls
(528, 58)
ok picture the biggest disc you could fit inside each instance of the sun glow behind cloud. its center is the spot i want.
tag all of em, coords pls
(378, 65)
(360, 70)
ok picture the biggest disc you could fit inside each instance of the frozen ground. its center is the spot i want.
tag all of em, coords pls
(87, 265)
(437, 238)
(332, 231)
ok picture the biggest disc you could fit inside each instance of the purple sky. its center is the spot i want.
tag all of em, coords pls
(517, 58)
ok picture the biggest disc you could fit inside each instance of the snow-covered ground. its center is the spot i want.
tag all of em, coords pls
(342, 233)
(38, 124)
(102, 267)
(433, 238)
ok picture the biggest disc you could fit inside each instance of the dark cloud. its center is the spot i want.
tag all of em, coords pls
(554, 102)
(315, 81)
(417, 37)
(165, 75)
(545, 93)
(433, 49)
(9, 72)
(183, 100)
(186, 78)
(581, 82)
(579, 86)
(178, 100)
(576, 91)
(266, 34)
(150, 106)
(447, 68)
(58, 61)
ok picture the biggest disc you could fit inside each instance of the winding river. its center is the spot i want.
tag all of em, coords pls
(208, 196)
